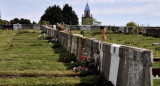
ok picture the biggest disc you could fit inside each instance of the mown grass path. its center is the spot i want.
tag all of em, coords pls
(27, 60)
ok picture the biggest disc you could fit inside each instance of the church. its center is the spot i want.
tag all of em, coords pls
(87, 18)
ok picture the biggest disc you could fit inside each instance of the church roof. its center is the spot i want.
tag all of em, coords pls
(87, 7)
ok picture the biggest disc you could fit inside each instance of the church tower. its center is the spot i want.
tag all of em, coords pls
(87, 17)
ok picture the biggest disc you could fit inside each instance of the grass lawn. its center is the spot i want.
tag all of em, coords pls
(156, 82)
(27, 60)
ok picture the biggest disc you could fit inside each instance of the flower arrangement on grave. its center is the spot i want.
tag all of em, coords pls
(60, 26)
(87, 63)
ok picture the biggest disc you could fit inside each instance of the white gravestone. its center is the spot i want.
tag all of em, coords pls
(115, 59)
(17, 26)
(101, 55)
(121, 29)
(54, 27)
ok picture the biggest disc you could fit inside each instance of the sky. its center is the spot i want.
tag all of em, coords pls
(109, 12)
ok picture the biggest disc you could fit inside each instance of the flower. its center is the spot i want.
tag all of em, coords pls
(64, 59)
(79, 68)
(105, 38)
(72, 62)
(74, 69)
(84, 68)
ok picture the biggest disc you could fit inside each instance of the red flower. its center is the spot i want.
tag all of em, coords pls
(64, 60)
(85, 59)
(79, 67)
(84, 67)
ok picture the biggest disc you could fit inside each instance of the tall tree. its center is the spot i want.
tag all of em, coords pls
(53, 14)
(3, 22)
(15, 21)
(69, 15)
(20, 21)
(92, 21)
(25, 21)
(131, 24)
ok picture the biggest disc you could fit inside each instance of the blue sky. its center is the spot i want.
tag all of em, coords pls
(109, 12)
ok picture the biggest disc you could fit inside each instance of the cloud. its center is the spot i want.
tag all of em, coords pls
(80, 2)
(147, 9)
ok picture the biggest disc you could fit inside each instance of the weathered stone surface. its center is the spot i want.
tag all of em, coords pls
(79, 47)
(106, 59)
(74, 44)
(134, 69)
(95, 46)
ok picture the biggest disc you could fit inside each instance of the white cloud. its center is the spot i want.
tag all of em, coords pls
(148, 9)
(79, 2)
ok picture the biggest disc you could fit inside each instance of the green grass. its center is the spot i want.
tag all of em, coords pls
(156, 82)
(27, 60)
(156, 64)
(58, 81)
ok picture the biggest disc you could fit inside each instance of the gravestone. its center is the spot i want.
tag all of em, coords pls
(17, 26)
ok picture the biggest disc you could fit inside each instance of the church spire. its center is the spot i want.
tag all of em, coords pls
(87, 7)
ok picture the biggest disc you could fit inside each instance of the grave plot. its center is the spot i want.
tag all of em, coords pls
(27, 60)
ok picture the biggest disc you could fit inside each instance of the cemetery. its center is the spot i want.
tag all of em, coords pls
(27, 56)
(57, 51)
(91, 44)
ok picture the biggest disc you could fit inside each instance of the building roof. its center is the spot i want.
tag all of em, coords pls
(87, 7)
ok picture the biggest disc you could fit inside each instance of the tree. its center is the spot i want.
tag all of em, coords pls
(69, 15)
(20, 21)
(24, 21)
(15, 21)
(53, 14)
(2, 22)
(95, 22)
(131, 24)
(92, 21)
(34, 22)
(44, 22)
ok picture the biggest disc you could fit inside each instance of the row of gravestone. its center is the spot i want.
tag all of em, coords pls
(122, 65)
(20, 26)
(152, 31)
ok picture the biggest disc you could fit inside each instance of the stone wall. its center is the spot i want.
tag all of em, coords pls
(120, 64)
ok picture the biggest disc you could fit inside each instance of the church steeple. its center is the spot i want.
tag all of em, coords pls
(87, 7)
(87, 11)
(87, 17)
